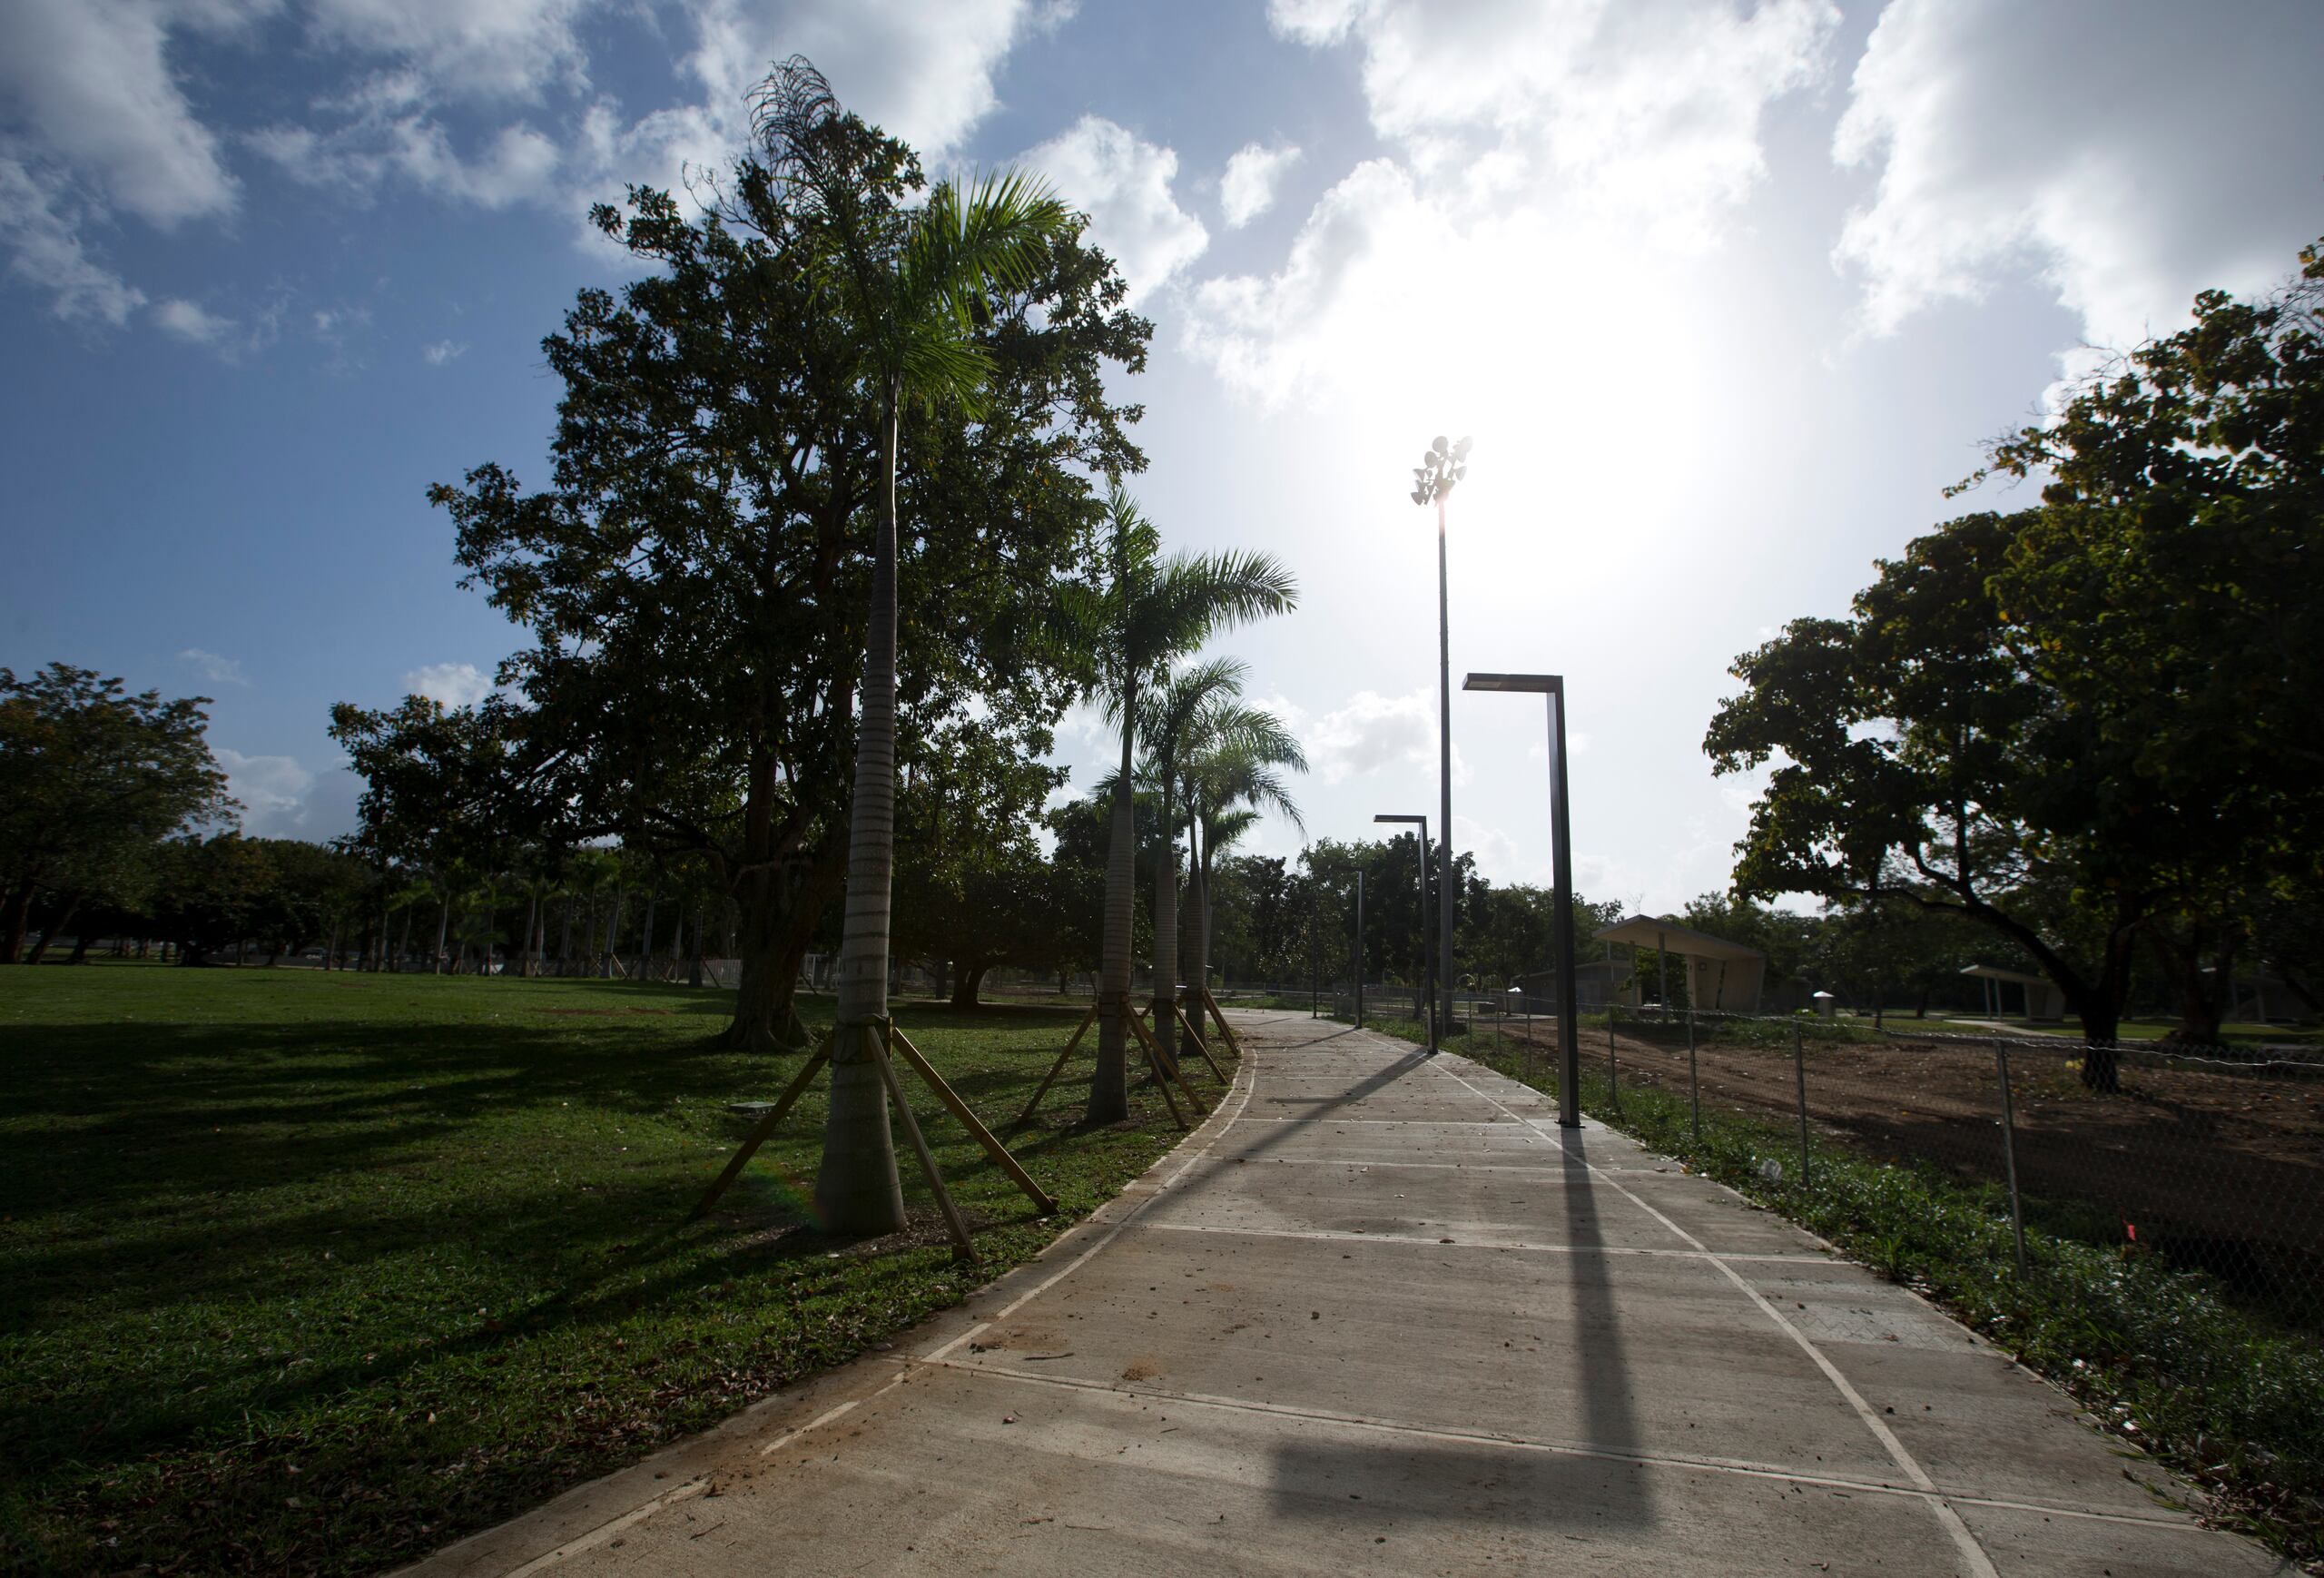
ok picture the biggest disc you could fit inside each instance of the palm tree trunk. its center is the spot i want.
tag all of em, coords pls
(857, 1192)
(1165, 927)
(1197, 929)
(1109, 1087)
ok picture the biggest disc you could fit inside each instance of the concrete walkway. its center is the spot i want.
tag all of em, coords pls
(1379, 1315)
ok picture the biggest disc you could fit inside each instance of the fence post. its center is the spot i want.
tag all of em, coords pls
(1799, 1073)
(1613, 1070)
(1694, 1084)
(2009, 1161)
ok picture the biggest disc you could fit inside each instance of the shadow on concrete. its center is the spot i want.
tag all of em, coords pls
(1416, 1478)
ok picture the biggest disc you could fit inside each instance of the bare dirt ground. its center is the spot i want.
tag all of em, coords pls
(2221, 1166)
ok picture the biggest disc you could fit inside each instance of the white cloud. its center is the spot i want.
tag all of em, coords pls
(443, 352)
(1560, 187)
(1248, 189)
(272, 790)
(2118, 149)
(922, 73)
(518, 164)
(1651, 108)
(1123, 184)
(485, 49)
(1375, 731)
(456, 684)
(210, 667)
(193, 322)
(90, 79)
(46, 251)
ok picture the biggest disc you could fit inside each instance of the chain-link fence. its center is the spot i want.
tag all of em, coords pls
(2208, 1157)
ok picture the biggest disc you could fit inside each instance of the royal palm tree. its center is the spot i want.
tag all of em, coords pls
(909, 283)
(1145, 614)
(1173, 723)
(1229, 781)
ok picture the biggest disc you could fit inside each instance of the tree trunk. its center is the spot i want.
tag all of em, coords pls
(2203, 1003)
(613, 939)
(857, 1192)
(645, 948)
(1198, 932)
(967, 980)
(62, 919)
(443, 929)
(1165, 930)
(19, 920)
(1109, 1086)
(565, 939)
(780, 910)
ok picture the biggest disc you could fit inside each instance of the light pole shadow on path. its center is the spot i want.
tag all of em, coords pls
(1360, 1484)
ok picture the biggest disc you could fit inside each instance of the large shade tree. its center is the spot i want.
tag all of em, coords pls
(1140, 613)
(697, 578)
(90, 777)
(2086, 721)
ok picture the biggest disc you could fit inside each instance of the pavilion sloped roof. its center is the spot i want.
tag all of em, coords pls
(1646, 931)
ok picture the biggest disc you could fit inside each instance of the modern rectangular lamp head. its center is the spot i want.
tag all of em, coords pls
(1386, 816)
(1534, 683)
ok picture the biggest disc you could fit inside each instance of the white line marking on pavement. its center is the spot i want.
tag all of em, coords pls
(1246, 1080)
(612, 1526)
(1452, 1433)
(1979, 1562)
(1437, 1241)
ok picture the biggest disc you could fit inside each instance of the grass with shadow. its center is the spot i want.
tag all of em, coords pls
(316, 1272)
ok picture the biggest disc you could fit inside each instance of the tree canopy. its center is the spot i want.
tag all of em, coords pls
(2079, 722)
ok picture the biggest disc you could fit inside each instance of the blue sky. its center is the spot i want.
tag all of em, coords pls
(1727, 292)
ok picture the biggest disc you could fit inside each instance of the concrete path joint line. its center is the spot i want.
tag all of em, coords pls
(1974, 1554)
(1562, 1449)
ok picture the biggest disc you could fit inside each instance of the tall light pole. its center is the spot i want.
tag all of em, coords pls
(1561, 871)
(1433, 479)
(1427, 975)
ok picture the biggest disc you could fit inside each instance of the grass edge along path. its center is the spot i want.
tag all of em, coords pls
(2155, 1353)
(309, 1272)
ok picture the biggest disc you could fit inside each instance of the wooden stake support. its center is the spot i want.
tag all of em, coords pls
(1001, 1155)
(1234, 1044)
(1163, 1064)
(1194, 1037)
(1165, 1072)
(879, 1036)
(963, 1248)
(1059, 1067)
(764, 1127)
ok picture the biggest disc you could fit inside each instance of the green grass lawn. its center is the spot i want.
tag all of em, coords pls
(316, 1272)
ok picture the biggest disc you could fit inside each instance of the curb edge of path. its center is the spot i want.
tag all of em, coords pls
(597, 1510)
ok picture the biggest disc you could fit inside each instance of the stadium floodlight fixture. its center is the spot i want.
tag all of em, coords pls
(1440, 470)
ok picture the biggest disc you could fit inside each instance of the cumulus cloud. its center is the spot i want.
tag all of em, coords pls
(1372, 731)
(456, 684)
(1248, 189)
(210, 667)
(272, 790)
(1123, 184)
(1651, 108)
(2013, 141)
(1588, 151)
(442, 352)
(93, 82)
(193, 322)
